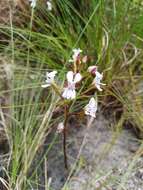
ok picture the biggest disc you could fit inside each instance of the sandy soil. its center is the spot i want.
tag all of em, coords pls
(107, 160)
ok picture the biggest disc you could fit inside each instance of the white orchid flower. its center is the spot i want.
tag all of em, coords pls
(49, 79)
(49, 5)
(33, 3)
(97, 79)
(69, 91)
(60, 127)
(91, 108)
(76, 53)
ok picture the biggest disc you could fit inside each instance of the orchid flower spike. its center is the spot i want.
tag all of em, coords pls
(49, 79)
(76, 53)
(69, 92)
(91, 108)
(33, 3)
(49, 5)
(60, 127)
(97, 79)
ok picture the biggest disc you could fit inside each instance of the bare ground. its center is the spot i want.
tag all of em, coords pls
(109, 159)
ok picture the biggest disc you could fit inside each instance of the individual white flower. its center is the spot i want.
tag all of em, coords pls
(33, 3)
(76, 53)
(69, 91)
(60, 127)
(49, 79)
(97, 79)
(91, 107)
(49, 5)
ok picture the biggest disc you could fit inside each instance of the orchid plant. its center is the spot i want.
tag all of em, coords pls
(68, 93)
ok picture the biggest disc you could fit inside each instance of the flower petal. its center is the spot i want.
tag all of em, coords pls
(92, 69)
(49, 5)
(64, 95)
(73, 95)
(77, 51)
(45, 85)
(60, 127)
(70, 76)
(84, 59)
(92, 102)
(77, 78)
(91, 107)
(99, 76)
(98, 87)
(51, 74)
(69, 94)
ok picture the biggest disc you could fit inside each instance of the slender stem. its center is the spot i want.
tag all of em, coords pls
(89, 124)
(55, 87)
(65, 125)
(64, 137)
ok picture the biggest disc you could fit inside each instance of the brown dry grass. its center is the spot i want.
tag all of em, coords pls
(11, 5)
(4, 11)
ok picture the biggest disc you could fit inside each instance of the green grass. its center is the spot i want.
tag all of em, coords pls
(109, 32)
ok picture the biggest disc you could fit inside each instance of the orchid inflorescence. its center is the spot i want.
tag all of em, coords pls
(68, 93)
